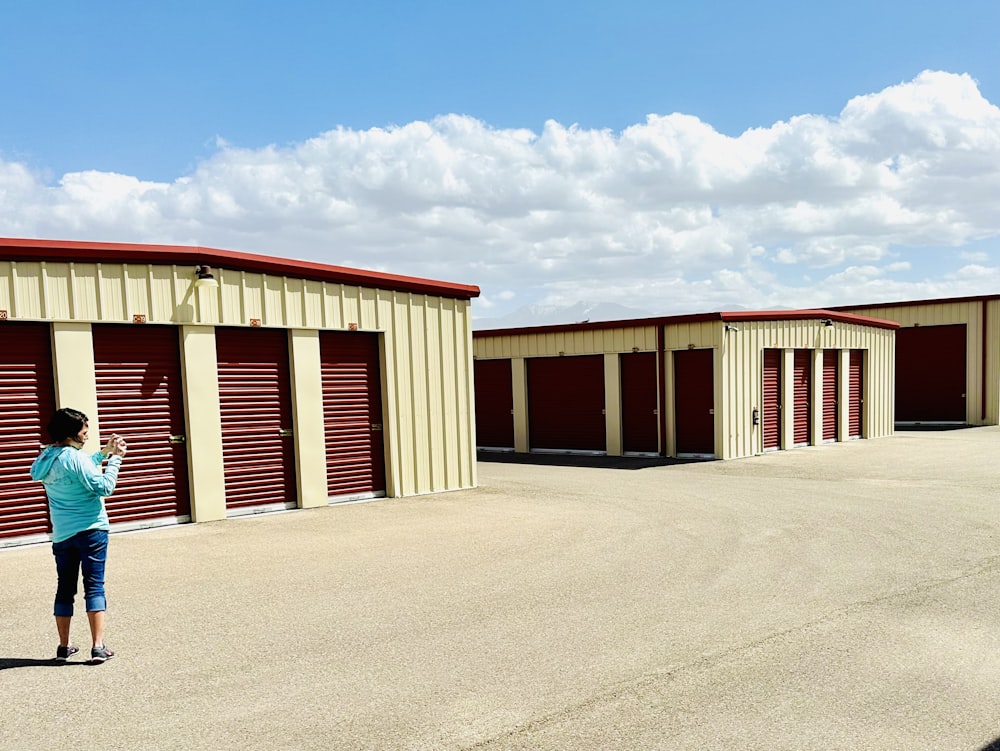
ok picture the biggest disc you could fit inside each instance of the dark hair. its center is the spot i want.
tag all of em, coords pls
(66, 423)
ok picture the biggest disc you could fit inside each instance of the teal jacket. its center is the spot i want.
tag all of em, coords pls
(76, 488)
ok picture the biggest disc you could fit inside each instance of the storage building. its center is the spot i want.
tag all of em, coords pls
(722, 385)
(243, 383)
(947, 359)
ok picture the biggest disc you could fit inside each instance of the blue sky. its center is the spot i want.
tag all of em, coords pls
(211, 123)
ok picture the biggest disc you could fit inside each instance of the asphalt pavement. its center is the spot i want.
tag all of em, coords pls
(844, 596)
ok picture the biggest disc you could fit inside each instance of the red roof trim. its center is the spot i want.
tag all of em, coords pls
(912, 303)
(734, 316)
(817, 313)
(628, 323)
(16, 249)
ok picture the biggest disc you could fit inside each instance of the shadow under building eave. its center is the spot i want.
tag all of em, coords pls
(590, 461)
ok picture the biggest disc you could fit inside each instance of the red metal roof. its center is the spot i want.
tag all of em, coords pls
(730, 316)
(911, 303)
(17, 249)
(816, 313)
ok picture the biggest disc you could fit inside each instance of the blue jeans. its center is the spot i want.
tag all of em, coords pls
(89, 550)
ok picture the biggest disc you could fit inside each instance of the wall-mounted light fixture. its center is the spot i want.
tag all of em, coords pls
(730, 327)
(205, 277)
(828, 322)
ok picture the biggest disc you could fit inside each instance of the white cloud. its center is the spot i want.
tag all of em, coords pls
(668, 215)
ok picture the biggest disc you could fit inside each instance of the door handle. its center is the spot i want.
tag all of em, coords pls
(177, 438)
(286, 432)
(376, 426)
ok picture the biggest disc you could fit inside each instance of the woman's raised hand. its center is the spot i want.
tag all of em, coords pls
(120, 448)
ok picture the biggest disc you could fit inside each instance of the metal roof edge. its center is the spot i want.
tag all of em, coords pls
(21, 249)
(909, 303)
(808, 314)
(598, 325)
(746, 315)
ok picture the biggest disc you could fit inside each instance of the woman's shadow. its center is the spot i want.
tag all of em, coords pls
(30, 662)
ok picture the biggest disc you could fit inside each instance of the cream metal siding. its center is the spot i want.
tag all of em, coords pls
(609, 342)
(738, 371)
(553, 343)
(310, 439)
(682, 336)
(970, 313)
(742, 375)
(426, 343)
(693, 335)
(199, 361)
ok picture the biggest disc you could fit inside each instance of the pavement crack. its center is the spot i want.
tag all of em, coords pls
(638, 683)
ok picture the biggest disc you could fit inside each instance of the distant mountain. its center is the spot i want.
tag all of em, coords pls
(548, 315)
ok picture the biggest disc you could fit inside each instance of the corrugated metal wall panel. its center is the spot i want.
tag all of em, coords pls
(293, 293)
(58, 291)
(448, 346)
(140, 396)
(27, 401)
(463, 464)
(436, 398)
(698, 335)
(111, 292)
(421, 424)
(399, 393)
(742, 389)
(421, 406)
(27, 292)
(550, 344)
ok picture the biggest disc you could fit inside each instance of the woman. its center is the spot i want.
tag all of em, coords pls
(76, 487)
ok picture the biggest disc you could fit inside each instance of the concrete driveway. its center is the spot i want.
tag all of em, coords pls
(836, 597)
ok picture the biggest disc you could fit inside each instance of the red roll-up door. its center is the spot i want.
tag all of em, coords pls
(640, 421)
(694, 401)
(566, 403)
(140, 396)
(931, 374)
(856, 394)
(27, 401)
(771, 416)
(802, 388)
(256, 408)
(831, 384)
(352, 414)
(494, 404)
